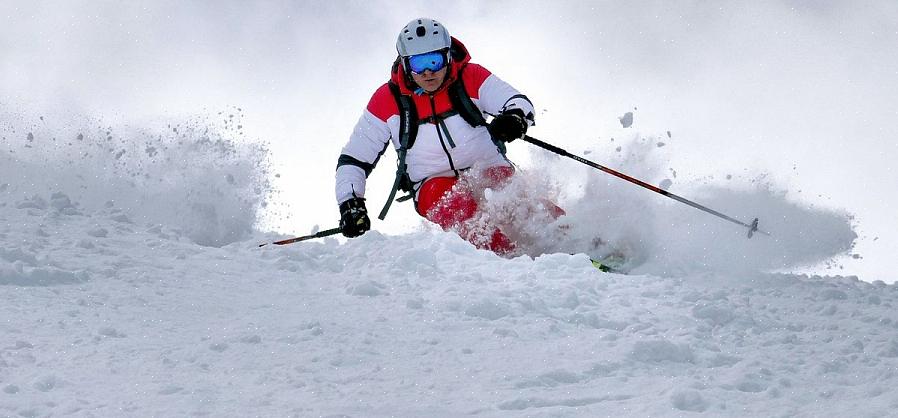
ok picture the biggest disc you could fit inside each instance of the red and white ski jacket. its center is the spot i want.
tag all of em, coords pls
(462, 146)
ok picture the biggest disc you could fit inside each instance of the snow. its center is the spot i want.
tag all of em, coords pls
(131, 283)
(138, 289)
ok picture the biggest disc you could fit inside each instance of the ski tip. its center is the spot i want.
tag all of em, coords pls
(602, 267)
(605, 267)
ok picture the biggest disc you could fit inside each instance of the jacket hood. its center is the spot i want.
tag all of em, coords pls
(459, 58)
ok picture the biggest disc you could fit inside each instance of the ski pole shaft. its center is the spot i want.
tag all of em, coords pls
(752, 228)
(320, 234)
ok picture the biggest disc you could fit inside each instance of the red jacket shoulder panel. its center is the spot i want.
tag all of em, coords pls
(383, 104)
(474, 75)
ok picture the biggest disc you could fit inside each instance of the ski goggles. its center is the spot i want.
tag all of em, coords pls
(433, 61)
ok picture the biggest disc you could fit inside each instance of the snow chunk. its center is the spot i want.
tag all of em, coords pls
(626, 120)
(19, 275)
(560, 376)
(660, 351)
(22, 344)
(121, 218)
(98, 232)
(716, 315)
(46, 383)
(86, 244)
(891, 350)
(369, 288)
(688, 400)
(522, 404)
(16, 254)
(63, 204)
(421, 261)
(218, 347)
(833, 294)
(170, 390)
(488, 309)
(110, 332)
(751, 386)
(592, 320)
(415, 303)
(35, 202)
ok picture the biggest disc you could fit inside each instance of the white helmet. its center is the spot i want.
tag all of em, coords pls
(422, 35)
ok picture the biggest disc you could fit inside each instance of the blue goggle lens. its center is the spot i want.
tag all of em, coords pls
(433, 61)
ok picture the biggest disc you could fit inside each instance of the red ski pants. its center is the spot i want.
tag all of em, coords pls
(450, 201)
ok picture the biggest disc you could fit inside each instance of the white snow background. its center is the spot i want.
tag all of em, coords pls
(147, 147)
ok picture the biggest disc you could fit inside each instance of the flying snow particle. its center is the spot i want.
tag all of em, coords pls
(626, 120)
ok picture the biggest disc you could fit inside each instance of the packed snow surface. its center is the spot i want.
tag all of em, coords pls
(132, 284)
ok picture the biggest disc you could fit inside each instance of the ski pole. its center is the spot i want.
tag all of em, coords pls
(320, 234)
(752, 227)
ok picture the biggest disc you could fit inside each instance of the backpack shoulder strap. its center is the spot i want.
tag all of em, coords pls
(461, 101)
(408, 117)
(408, 131)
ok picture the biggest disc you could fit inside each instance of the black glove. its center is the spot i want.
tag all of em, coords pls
(508, 126)
(354, 218)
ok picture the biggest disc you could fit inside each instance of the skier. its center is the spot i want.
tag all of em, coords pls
(433, 109)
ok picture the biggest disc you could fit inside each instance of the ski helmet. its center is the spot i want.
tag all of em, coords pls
(422, 35)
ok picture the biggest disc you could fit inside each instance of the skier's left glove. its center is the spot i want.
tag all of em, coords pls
(354, 218)
(508, 126)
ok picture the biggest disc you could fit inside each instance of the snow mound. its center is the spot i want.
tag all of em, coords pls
(422, 324)
(410, 324)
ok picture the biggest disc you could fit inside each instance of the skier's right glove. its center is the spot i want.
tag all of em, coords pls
(508, 126)
(354, 217)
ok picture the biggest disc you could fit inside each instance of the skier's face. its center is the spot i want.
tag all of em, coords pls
(430, 81)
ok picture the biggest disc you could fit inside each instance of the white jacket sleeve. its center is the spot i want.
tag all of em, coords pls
(367, 143)
(497, 96)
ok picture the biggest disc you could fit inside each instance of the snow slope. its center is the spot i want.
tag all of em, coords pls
(124, 294)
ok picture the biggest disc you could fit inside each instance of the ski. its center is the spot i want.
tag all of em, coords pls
(610, 264)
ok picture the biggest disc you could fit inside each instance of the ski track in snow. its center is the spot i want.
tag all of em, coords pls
(115, 310)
